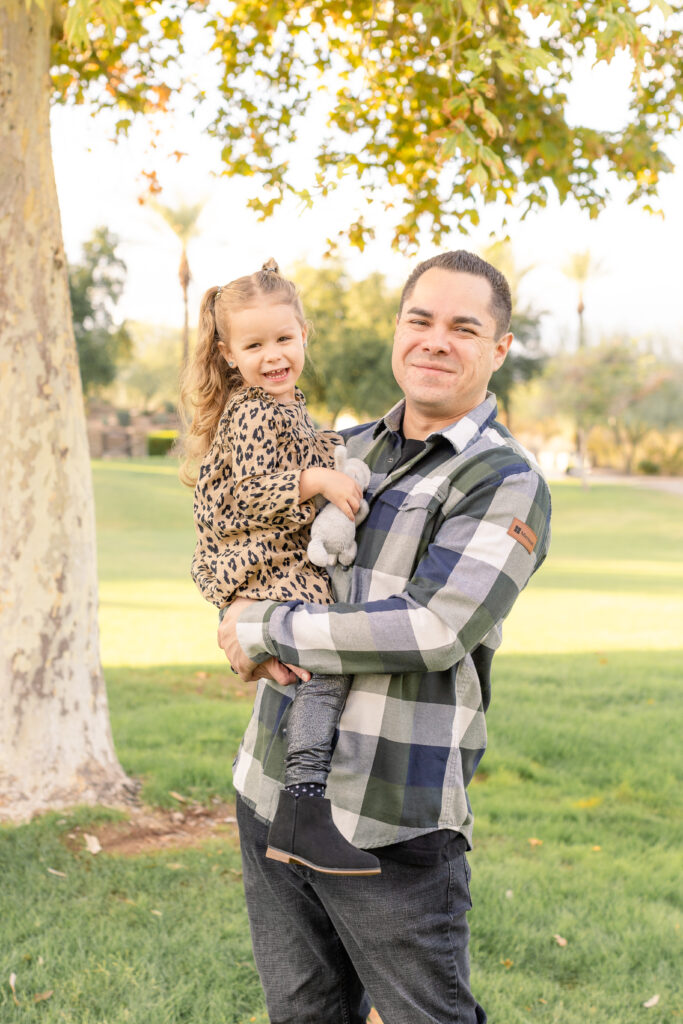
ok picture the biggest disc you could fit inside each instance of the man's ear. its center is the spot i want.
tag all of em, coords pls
(501, 349)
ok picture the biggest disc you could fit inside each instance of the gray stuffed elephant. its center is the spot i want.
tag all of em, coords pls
(333, 535)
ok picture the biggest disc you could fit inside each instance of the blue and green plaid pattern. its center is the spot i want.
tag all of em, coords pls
(416, 621)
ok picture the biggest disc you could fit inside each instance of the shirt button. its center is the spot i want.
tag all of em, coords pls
(390, 461)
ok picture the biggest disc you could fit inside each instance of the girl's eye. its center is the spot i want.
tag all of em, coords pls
(254, 344)
(284, 338)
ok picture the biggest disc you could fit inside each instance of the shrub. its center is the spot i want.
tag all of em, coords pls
(649, 467)
(161, 442)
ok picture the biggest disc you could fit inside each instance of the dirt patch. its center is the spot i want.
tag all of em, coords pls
(150, 829)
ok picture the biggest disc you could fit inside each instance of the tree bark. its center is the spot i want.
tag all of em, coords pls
(56, 747)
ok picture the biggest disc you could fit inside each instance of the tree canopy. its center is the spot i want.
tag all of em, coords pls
(452, 102)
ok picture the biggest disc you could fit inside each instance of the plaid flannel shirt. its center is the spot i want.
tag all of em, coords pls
(451, 539)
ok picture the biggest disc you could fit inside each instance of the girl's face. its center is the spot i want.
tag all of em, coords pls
(267, 343)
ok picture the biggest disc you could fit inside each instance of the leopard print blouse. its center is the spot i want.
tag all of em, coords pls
(252, 530)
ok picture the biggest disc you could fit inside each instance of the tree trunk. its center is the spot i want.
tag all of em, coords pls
(56, 747)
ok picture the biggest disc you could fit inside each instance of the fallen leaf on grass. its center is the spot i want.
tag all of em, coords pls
(92, 843)
(59, 874)
(651, 1002)
(12, 983)
(40, 997)
(177, 796)
(175, 867)
(507, 964)
(535, 842)
(509, 894)
(596, 849)
(157, 913)
(559, 940)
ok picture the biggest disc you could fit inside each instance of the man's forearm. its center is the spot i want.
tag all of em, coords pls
(464, 585)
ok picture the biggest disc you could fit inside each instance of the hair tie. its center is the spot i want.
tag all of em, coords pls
(218, 294)
(269, 270)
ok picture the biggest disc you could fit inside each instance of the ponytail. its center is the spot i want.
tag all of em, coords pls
(205, 387)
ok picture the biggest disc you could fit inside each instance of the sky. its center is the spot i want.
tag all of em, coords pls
(635, 292)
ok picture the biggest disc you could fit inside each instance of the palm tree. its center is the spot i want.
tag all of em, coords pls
(580, 267)
(182, 221)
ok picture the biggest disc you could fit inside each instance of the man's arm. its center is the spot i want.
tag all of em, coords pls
(466, 582)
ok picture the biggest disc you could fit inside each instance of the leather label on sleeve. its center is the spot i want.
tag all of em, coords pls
(524, 534)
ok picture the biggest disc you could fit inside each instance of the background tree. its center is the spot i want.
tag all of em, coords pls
(150, 381)
(349, 368)
(182, 221)
(613, 384)
(525, 360)
(443, 102)
(580, 268)
(95, 286)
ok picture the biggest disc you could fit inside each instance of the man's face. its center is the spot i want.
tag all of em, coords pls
(445, 345)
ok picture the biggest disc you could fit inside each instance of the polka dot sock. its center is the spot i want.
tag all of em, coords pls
(306, 789)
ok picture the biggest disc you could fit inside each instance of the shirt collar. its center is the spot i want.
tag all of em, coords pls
(459, 434)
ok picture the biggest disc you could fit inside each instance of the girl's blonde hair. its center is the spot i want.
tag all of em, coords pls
(207, 381)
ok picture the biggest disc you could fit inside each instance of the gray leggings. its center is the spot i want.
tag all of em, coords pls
(313, 719)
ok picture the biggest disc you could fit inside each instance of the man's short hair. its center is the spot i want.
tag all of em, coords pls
(461, 261)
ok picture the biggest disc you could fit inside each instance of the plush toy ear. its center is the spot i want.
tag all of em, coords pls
(340, 457)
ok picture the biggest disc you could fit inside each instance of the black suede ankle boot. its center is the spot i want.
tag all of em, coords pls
(302, 832)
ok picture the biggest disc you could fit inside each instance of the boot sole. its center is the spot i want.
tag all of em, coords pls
(289, 858)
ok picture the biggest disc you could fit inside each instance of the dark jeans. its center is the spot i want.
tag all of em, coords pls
(325, 946)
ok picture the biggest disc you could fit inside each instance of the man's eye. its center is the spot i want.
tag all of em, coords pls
(420, 323)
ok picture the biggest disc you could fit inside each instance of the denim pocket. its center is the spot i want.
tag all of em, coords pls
(459, 898)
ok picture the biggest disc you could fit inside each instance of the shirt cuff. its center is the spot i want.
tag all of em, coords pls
(253, 631)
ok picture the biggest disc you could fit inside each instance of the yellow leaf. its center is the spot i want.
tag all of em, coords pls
(40, 997)
(591, 801)
(651, 1002)
(596, 849)
(507, 964)
(177, 796)
(559, 940)
(535, 842)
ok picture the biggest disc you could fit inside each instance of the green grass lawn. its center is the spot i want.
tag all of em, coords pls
(577, 802)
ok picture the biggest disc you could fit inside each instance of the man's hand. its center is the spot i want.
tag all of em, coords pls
(245, 668)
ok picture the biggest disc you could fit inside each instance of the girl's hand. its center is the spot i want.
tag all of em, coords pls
(342, 491)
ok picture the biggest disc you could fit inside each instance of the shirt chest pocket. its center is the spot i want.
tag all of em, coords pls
(409, 518)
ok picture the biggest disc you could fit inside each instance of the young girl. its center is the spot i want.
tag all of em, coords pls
(261, 463)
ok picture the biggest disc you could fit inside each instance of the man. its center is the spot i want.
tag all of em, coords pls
(459, 520)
